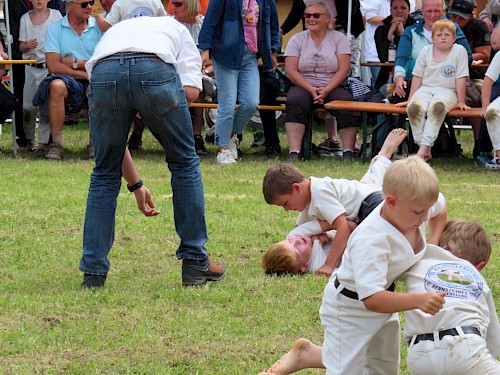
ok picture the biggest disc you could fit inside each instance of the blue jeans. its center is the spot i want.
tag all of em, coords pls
(120, 86)
(232, 85)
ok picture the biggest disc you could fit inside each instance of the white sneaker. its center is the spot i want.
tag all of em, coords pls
(493, 163)
(234, 145)
(225, 157)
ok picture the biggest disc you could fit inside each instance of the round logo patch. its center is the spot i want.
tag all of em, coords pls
(140, 12)
(448, 71)
(457, 280)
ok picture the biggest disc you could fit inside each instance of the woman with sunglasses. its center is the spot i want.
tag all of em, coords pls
(236, 33)
(317, 61)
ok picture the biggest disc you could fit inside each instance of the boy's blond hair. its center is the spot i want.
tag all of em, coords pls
(466, 240)
(279, 260)
(279, 179)
(411, 179)
(444, 25)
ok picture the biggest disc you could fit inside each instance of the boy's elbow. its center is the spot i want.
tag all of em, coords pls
(373, 303)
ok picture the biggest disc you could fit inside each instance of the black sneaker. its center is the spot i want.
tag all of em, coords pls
(196, 273)
(199, 145)
(272, 151)
(93, 281)
(348, 155)
(293, 156)
(210, 138)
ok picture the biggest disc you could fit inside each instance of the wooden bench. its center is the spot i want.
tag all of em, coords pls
(281, 108)
(367, 107)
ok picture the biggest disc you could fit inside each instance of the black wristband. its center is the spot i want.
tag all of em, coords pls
(134, 187)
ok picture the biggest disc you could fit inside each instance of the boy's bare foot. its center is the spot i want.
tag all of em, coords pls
(392, 141)
(304, 354)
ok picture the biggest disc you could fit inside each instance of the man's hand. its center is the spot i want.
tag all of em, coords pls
(400, 89)
(145, 201)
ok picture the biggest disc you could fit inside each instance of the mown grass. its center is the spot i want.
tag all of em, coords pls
(143, 321)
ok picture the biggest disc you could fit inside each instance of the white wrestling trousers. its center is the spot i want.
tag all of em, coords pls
(465, 354)
(427, 110)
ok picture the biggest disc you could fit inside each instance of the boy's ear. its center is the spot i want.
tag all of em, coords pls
(391, 201)
(296, 187)
(480, 265)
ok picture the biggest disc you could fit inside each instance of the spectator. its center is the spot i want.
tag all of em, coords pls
(392, 26)
(16, 10)
(339, 15)
(122, 10)
(188, 13)
(69, 43)
(477, 33)
(374, 12)
(269, 91)
(414, 38)
(32, 31)
(317, 63)
(162, 59)
(254, 32)
(490, 13)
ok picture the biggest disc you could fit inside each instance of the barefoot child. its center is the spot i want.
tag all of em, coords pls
(336, 201)
(298, 253)
(465, 240)
(438, 85)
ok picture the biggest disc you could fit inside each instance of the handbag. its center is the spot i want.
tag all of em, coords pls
(361, 92)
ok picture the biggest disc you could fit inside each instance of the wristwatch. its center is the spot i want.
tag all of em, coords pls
(134, 187)
(75, 64)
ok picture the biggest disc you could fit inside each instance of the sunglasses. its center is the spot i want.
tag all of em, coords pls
(85, 4)
(177, 4)
(313, 15)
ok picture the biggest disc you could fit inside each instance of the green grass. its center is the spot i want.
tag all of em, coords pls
(143, 321)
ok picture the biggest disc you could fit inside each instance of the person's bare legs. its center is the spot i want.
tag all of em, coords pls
(295, 133)
(57, 97)
(348, 137)
(392, 142)
(304, 354)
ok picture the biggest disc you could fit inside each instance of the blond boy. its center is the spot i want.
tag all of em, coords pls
(359, 308)
(438, 85)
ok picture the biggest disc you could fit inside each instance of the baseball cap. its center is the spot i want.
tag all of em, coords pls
(462, 8)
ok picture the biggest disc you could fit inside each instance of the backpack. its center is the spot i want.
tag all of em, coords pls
(446, 143)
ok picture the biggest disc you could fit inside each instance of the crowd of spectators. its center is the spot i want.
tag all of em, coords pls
(318, 62)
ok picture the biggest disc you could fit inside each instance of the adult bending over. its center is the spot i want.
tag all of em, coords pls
(317, 62)
(155, 72)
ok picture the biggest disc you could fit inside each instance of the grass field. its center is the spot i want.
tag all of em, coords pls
(143, 321)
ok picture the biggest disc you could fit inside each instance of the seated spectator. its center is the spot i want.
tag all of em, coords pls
(490, 13)
(414, 38)
(317, 62)
(392, 26)
(438, 86)
(69, 43)
(478, 36)
(491, 105)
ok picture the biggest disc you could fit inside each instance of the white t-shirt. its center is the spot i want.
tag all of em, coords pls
(29, 31)
(442, 73)
(318, 62)
(469, 301)
(377, 253)
(163, 36)
(331, 198)
(125, 9)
